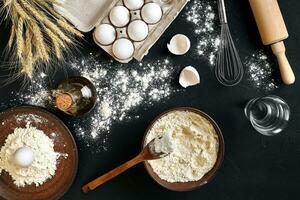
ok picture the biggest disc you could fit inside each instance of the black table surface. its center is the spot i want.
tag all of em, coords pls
(255, 166)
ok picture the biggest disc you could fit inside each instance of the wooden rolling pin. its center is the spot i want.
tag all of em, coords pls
(273, 31)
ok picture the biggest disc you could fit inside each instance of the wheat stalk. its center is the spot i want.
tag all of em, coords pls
(41, 17)
(38, 31)
(20, 39)
(40, 44)
(65, 25)
(60, 20)
(20, 11)
(12, 35)
(27, 68)
(57, 42)
(13, 30)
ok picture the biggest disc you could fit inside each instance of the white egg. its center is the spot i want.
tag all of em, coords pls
(119, 16)
(23, 157)
(123, 48)
(137, 30)
(134, 4)
(151, 13)
(105, 34)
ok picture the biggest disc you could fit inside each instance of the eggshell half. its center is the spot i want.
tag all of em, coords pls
(189, 76)
(179, 44)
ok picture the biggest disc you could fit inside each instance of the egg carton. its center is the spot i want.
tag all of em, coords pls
(86, 15)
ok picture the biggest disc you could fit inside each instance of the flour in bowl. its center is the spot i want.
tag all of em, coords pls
(195, 146)
(44, 164)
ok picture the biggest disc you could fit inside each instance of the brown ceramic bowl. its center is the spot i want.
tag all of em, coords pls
(180, 187)
(58, 185)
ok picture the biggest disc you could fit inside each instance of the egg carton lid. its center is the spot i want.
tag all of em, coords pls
(84, 14)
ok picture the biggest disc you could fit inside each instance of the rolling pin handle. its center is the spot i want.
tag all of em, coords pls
(286, 71)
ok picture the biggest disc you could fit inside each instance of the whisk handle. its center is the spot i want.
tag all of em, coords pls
(222, 12)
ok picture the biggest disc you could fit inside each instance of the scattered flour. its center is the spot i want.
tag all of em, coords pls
(121, 89)
(30, 118)
(44, 163)
(195, 147)
(260, 72)
(203, 15)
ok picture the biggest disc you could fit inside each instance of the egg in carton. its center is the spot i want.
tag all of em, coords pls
(125, 29)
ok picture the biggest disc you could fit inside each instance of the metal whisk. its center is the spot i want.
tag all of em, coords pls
(229, 69)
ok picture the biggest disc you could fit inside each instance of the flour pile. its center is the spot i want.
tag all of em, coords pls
(45, 158)
(195, 146)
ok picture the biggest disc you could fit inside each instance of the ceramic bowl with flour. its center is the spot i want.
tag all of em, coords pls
(198, 149)
(52, 171)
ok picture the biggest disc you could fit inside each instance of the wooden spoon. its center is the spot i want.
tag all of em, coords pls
(148, 153)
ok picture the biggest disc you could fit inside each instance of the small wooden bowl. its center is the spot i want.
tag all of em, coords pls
(188, 186)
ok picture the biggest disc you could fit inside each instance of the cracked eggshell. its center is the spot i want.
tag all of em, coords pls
(119, 16)
(179, 44)
(189, 76)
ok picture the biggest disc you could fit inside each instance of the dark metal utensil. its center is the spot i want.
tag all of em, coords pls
(229, 69)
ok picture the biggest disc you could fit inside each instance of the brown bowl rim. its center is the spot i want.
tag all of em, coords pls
(192, 185)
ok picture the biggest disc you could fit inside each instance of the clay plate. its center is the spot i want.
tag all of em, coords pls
(55, 187)
(188, 186)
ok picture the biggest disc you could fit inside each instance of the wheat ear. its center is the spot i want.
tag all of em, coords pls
(20, 39)
(7, 3)
(27, 67)
(20, 11)
(13, 28)
(57, 42)
(41, 17)
(40, 44)
(65, 25)
(60, 20)
(12, 35)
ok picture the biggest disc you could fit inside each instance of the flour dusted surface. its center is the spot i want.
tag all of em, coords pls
(195, 146)
(44, 164)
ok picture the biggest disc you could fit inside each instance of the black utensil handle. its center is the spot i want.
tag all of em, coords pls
(222, 12)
